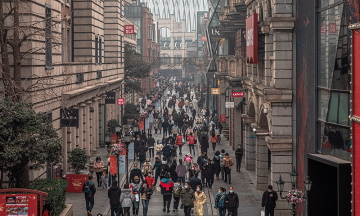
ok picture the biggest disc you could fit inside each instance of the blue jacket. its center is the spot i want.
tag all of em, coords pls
(157, 166)
(220, 203)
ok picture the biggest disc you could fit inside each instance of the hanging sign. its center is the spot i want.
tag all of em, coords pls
(223, 118)
(252, 39)
(229, 104)
(113, 166)
(131, 151)
(121, 101)
(129, 29)
(122, 165)
(69, 117)
(18, 204)
(113, 138)
(110, 98)
(203, 38)
(237, 94)
(215, 91)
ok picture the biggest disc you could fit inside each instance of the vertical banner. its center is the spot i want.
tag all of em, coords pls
(147, 123)
(113, 165)
(223, 118)
(141, 124)
(113, 138)
(157, 106)
(131, 151)
(252, 39)
(122, 164)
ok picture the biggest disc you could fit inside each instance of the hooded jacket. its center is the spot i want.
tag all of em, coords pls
(166, 186)
(187, 196)
(157, 166)
(114, 193)
(220, 201)
(147, 167)
(159, 147)
(233, 200)
(126, 198)
(268, 201)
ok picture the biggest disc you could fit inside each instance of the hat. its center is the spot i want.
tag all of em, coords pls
(188, 154)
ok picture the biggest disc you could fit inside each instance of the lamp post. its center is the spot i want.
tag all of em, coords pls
(127, 142)
(118, 130)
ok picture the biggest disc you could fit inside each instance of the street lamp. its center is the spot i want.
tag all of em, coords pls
(108, 138)
(136, 129)
(293, 178)
(118, 130)
(127, 142)
(138, 108)
(280, 185)
(307, 184)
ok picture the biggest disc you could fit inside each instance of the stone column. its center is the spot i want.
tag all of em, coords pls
(88, 127)
(96, 120)
(268, 53)
(249, 148)
(283, 59)
(81, 126)
(261, 172)
(65, 148)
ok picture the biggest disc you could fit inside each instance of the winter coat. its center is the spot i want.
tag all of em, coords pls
(180, 104)
(227, 163)
(135, 172)
(222, 156)
(217, 132)
(99, 166)
(176, 190)
(210, 169)
(216, 160)
(187, 196)
(192, 140)
(146, 191)
(170, 126)
(166, 151)
(194, 182)
(135, 187)
(92, 187)
(142, 153)
(156, 124)
(160, 124)
(126, 198)
(157, 166)
(147, 167)
(151, 142)
(204, 144)
(173, 150)
(200, 160)
(150, 181)
(180, 170)
(268, 201)
(175, 130)
(200, 200)
(179, 140)
(114, 193)
(215, 119)
(166, 186)
(165, 125)
(213, 139)
(159, 147)
(220, 201)
(239, 153)
(173, 174)
(233, 200)
(188, 131)
(186, 102)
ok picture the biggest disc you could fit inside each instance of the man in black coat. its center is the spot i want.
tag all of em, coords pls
(89, 189)
(114, 193)
(136, 172)
(166, 151)
(195, 181)
(238, 155)
(136, 147)
(142, 154)
(269, 201)
(204, 143)
(165, 126)
(151, 142)
(210, 172)
(232, 202)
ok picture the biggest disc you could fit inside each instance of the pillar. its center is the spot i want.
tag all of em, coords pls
(81, 126)
(88, 128)
(65, 148)
(261, 171)
(249, 149)
(268, 53)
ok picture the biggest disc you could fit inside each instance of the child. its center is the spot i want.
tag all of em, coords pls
(187, 160)
(150, 180)
(136, 202)
(103, 180)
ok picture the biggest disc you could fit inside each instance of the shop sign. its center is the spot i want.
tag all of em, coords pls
(216, 33)
(18, 204)
(110, 98)
(129, 29)
(151, 73)
(332, 27)
(323, 28)
(69, 117)
(252, 39)
(203, 38)
(229, 104)
(223, 118)
(121, 101)
(237, 94)
(215, 91)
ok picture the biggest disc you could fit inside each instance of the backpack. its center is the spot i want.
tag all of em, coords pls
(191, 140)
(188, 159)
(87, 189)
(162, 169)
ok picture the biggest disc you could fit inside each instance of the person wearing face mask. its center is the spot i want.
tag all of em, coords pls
(163, 140)
(156, 167)
(159, 148)
(187, 197)
(227, 163)
(179, 142)
(238, 155)
(166, 186)
(151, 143)
(220, 201)
(150, 180)
(163, 169)
(200, 200)
(147, 167)
(210, 171)
(146, 193)
(142, 154)
(268, 201)
(189, 131)
(232, 201)
(167, 152)
(98, 166)
(176, 194)
(135, 172)
(170, 126)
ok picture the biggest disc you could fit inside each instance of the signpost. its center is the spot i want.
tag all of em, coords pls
(121, 101)
(129, 29)
(215, 91)
(237, 94)
(229, 104)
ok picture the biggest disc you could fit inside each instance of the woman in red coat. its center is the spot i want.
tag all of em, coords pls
(179, 141)
(180, 104)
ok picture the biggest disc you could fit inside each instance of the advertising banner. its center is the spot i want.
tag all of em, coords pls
(18, 204)
(141, 124)
(237, 94)
(223, 118)
(131, 151)
(122, 164)
(215, 91)
(113, 167)
(76, 181)
(69, 117)
(113, 138)
(252, 39)
(121, 101)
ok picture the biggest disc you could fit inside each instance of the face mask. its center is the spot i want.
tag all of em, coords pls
(239, 147)
(136, 182)
(231, 191)
(219, 192)
(186, 187)
(197, 189)
(149, 175)
(135, 167)
(192, 168)
(269, 190)
(98, 161)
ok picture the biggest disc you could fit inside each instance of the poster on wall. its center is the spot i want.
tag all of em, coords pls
(18, 204)
(223, 118)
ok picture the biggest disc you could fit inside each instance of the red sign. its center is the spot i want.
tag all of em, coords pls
(323, 28)
(223, 118)
(121, 101)
(150, 73)
(76, 181)
(332, 27)
(237, 94)
(252, 39)
(203, 38)
(113, 166)
(129, 29)
(114, 138)
(18, 204)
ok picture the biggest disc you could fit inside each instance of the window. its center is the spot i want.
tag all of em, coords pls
(149, 32)
(153, 35)
(149, 53)
(79, 78)
(68, 40)
(121, 8)
(100, 50)
(98, 75)
(96, 49)
(48, 40)
(121, 49)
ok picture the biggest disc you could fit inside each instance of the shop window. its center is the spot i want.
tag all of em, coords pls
(48, 37)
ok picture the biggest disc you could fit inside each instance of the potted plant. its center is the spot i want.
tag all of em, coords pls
(111, 125)
(295, 197)
(77, 160)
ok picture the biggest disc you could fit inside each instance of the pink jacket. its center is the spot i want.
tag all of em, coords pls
(99, 166)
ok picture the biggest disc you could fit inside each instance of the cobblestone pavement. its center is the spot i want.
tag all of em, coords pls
(243, 186)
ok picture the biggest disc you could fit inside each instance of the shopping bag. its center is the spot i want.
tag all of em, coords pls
(262, 213)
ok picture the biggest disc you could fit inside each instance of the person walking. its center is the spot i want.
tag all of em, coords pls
(213, 141)
(160, 124)
(181, 171)
(238, 155)
(222, 156)
(166, 186)
(268, 201)
(176, 194)
(156, 167)
(89, 190)
(114, 193)
(179, 142)
(195, 181)
(201, 162)
(167, 152)
(187, 197)
(163, 169)
(98, 166)
(146, 168)
(204, 143)
(170, 126)
(156, 124)
(227, 163)
(200, 200)
(126, 199)
(159, 148)
(210, 171)
(232, 202)
(164, 127)
(173, 173)
(191, 141)
(150, 180)
(175, 130)
(216, 160)
(220, 201)
(151, 143)
(142, 154)
(135, 172)
(188, 160)
(186, 105)
(146, 191)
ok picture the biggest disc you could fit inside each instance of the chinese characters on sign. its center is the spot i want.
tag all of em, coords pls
(203, 38)
(18, 204)
(332, 27)
(252, 39)
(237, 94)
(215, 91)
(223, 118)
(121, 101)
(129, 29)
(229, 104)
(323, 29)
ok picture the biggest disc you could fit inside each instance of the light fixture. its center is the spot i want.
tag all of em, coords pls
(254, 129)
(266, 111)
(136, 129)
(127, 138)
(293, 176)
(280, 184)
(117, 128)
(307, 184)
(108, 138)
(138, 108)
(91, 109)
